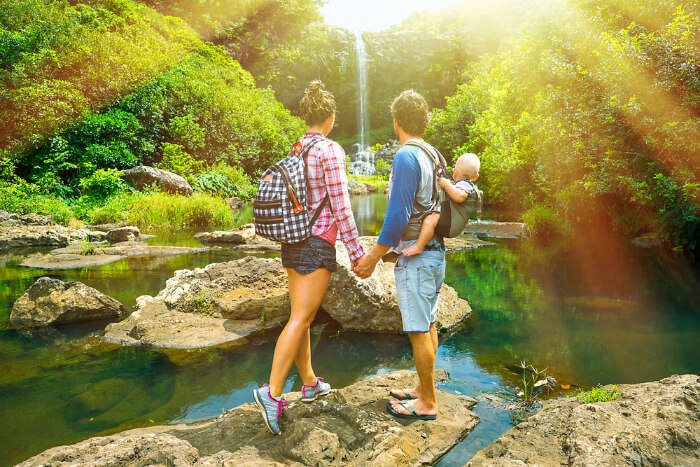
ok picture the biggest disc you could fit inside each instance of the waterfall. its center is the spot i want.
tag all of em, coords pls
(362, 118)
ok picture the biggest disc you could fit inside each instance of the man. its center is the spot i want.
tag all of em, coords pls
(418, 278)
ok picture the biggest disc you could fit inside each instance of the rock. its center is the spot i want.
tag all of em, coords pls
(370, 305)
(356, 188)
(497, 229)
(20, 236)
(123, 234)
(220, 303)
(52, 301)
(71, 257)
(650, 240)
(465, 242)
(235, 203)
(650, 424)
(9, 219)
(145, 176)
(236, 236)
(350, 426)
(68, 261)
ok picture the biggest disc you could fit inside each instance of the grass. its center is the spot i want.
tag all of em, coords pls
(380, 183)
(599, 394)
(162, 210)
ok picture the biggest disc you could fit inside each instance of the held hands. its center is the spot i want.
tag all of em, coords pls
(364, 266)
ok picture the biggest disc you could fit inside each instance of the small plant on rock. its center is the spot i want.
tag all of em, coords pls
(88, 248)
(599, 394)
(202, 304)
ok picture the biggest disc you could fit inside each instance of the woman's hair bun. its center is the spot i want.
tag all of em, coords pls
(317, 104)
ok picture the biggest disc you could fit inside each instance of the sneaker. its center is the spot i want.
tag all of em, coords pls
(270, 408)
(311, 393)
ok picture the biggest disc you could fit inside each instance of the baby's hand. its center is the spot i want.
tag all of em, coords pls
(442, 181)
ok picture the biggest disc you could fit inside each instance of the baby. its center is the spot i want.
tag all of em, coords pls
(466, 168)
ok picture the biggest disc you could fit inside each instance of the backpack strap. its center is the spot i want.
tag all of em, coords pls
(439, 166)
(327, 199)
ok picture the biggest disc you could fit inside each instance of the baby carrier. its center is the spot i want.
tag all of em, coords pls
(280, 208)
(453, 216)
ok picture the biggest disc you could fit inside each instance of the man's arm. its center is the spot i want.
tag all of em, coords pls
(406, 178)
(455, 193)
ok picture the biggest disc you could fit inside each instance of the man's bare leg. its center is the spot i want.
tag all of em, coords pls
(424, 356)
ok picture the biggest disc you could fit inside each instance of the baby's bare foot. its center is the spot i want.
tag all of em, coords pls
(412, 251)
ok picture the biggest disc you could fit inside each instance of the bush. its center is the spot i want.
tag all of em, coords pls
(102, 184)
(225, 181)
(383, 168)
(178, 161)
(24, 198)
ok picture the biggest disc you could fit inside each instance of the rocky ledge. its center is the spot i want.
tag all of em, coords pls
(224, 302)
(654, 423)
(350, 426)
(73, 256)
(497, 229)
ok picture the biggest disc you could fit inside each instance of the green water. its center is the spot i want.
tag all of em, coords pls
(635, 319)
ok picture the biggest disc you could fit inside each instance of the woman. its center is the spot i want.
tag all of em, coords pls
(310, 263)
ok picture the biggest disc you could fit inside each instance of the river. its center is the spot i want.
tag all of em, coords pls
(628, 319)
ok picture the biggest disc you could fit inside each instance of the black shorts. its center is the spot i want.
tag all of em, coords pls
(307, 256)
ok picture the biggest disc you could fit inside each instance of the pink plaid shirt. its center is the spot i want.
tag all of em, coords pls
(325, 165)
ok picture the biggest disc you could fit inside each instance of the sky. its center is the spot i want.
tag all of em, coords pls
(375, 15)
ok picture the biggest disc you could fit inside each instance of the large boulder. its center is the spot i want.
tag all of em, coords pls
(145, 176)
(220, 303)
(350, 426)
(654, 423)
(128, 233)
(52, 301)
(370, 305)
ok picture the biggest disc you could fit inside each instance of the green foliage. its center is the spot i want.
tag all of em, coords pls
(178, 161)
(102, 184)
(225, 181)
(24, 198)
(383, 168)
(589, 113)
(111, 84)
(599, 394)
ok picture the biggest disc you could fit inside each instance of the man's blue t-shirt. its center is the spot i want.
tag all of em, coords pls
(405, 178)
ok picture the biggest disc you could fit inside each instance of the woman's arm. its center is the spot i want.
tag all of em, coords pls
(336, 180)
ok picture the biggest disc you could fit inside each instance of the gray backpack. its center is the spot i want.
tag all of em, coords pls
(453, 216)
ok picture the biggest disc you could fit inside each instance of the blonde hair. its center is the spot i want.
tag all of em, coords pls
(317, 104)
(469, 164)
(411, 112)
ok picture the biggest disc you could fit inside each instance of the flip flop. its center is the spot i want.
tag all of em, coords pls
(405, 397)
(411, 412)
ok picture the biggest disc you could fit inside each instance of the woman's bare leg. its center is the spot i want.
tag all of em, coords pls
(306, 292)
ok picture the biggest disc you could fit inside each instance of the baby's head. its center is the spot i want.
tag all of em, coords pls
(467, 167)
